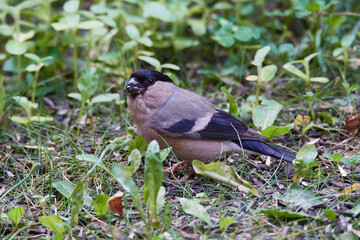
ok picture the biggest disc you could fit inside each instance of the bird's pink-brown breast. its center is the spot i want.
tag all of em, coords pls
(144, 106)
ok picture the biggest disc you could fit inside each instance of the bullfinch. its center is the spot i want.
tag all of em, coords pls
(189, 123)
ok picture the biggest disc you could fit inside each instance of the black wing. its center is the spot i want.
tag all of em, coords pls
(220, 126)
(223, 126)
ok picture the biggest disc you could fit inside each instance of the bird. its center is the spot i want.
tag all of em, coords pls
(190, 124)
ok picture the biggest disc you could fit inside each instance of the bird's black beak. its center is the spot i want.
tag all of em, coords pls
(134, 87)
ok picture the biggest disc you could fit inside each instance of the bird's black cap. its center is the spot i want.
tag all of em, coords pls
(144, 74)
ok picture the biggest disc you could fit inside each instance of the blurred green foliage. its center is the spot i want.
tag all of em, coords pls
(214, 40)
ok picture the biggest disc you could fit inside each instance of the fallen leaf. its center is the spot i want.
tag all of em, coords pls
(268, 161)
(300, 120)
(225, 174)
(342, 171)
(352, 123)
(298, 196)
(312, 141)
(353, 188)
(347, 108)
(115, 204)
(285, 215)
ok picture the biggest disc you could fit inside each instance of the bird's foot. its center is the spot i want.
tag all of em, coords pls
(176, 167)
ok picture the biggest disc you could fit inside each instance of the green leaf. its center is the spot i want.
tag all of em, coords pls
(72, 20)
(334, 21)
(313, 7)
(87, 157)
(22, 37)
(196, 209)
(99, 204)
(225, 222)
(307, 127)
(260, 55)
(330, 214)
(307, 154)
(356, 208)
(60, 26)
(139, 144)
(16, 48)
(90, 24)
(286, 48)
(2, 97)
(225, 174)
(2, 57)
(233, 108)
(33, 57)
(311, 56)
(145, 41)
(294, 70)
(21, 120)
(65, 188)
(170, 66)
(252, 78)
(76, 96)
(319, 79)
(132, 31)
(122, 175)
(105, 97)
(108, 21)
(154, 173)
(347, 40)
(337, 156)
(222, 6)
(95, 161)
(5, 29)
(34, 67)
(25, 103)
(265, 114)
(88, 82)
(347, 161)
(160, 201)
(352, 161)
(16, 214)
(197, 26)
(110, 58)
(244, 34)
(268, 73)
(298, 196)
(77, 201)
(326, 116)
(53, 222)
(164, 153)
(185, 42)
(134, 160)
(71, 6)
(128, 45)
(150, 60)
(40, 119)
(158, 11)
(285, 215)
(98, 8)
(135, 19)
(273, 131)
(225, 40)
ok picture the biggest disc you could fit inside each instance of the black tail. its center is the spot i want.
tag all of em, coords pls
(267, 149)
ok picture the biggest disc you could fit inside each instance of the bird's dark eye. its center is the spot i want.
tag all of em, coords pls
(151, 81)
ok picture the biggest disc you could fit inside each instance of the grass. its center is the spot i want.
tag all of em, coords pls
(54, 149)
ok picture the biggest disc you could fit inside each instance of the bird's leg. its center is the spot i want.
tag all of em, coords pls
(176, 167)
